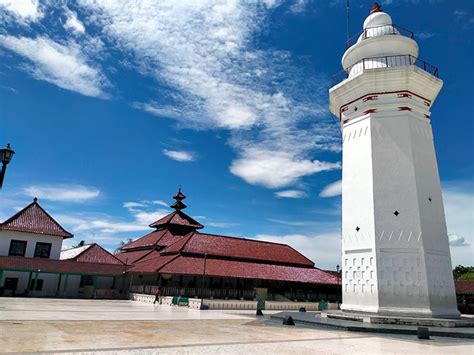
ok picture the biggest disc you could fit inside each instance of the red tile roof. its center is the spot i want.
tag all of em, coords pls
(152, 265)
(94, 253)
(159, 238)
(464, 286)
(185, 265)
(60, 266)
(177, 218)
(241, 248)
(34, 219)
(147, 240)
(131, 257)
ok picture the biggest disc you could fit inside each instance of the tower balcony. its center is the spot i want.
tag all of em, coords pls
(383, 62)
(377, 31)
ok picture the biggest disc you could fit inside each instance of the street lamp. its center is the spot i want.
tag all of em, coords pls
(202, 281)
(6, 155)
(337, 270)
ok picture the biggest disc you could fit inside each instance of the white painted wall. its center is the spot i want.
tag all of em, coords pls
(32, 239)
(394, 264)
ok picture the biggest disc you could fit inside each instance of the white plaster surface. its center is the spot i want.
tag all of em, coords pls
(391, 264)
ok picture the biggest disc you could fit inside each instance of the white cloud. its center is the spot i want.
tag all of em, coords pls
(221, 224)
(160, 202)
(323, 249)
(58, 64)
(133, 204)
(293, 223)
(178, 155)
(331, 190)
(457, 241)
(64, 193)
(72, 22)
(459, 208)
(148, 217)
(298, 6)
(275, 169)
(23, 10)
(291, 194)
(144, 211)
(424, 35)
(203, 56)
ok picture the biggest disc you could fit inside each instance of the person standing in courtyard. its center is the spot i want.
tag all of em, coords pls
(157, 296)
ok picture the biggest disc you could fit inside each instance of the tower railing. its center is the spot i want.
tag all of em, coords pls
(383, 62)
(379, 31)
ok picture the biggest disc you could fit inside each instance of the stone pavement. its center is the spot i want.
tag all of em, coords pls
(315, 319)
(124, 327)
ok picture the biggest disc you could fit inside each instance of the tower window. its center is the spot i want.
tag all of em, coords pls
(396, 213)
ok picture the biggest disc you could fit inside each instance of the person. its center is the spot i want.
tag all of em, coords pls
(157, 296)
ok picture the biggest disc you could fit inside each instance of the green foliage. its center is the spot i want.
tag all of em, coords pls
(460, 270)
(466, 276)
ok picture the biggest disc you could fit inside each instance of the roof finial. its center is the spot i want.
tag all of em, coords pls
(375, 8)
(35, 199)
(179, 197)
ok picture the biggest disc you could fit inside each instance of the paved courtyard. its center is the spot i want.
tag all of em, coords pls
(87, 326)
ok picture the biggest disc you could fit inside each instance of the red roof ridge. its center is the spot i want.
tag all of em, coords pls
(61, 233)
(184, 240)
(126, 262)
(101, 247)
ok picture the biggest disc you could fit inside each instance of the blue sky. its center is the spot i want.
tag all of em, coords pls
(111, 106)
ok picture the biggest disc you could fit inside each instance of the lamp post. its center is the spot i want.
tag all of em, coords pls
(337, 270)
(6, 155)
(202, 281)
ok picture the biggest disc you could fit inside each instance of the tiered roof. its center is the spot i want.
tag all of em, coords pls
(34, 219)
(176, 247)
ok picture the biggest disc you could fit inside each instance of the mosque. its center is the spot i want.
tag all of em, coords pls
(174, 256)
(181, 260)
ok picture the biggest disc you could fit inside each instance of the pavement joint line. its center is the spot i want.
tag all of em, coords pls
(193, 345)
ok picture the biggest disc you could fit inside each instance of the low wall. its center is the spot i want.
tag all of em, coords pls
(195, 303)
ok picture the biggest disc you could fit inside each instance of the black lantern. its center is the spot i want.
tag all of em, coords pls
(6, 155)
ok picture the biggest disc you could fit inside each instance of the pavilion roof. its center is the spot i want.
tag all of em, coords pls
(159, 238)
(238, 248)
(90, 253)
(464, 286)
(34, 219)
(188, 265)
(177, 218)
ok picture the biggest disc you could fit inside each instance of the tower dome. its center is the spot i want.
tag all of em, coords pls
(379, 44)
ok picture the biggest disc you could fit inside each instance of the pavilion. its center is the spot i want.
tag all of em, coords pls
(181, 260)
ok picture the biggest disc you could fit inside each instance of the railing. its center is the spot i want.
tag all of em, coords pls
(231, 293)
(379, 31)
(383, 62)
(195, 292)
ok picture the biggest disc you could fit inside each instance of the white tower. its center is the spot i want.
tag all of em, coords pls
(395, 251)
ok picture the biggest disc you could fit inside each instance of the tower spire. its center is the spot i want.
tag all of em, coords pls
(179, 197)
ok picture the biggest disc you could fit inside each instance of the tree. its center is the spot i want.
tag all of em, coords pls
(122, 244)
(460, 270)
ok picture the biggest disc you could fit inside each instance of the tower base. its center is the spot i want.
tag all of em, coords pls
(401, 312)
